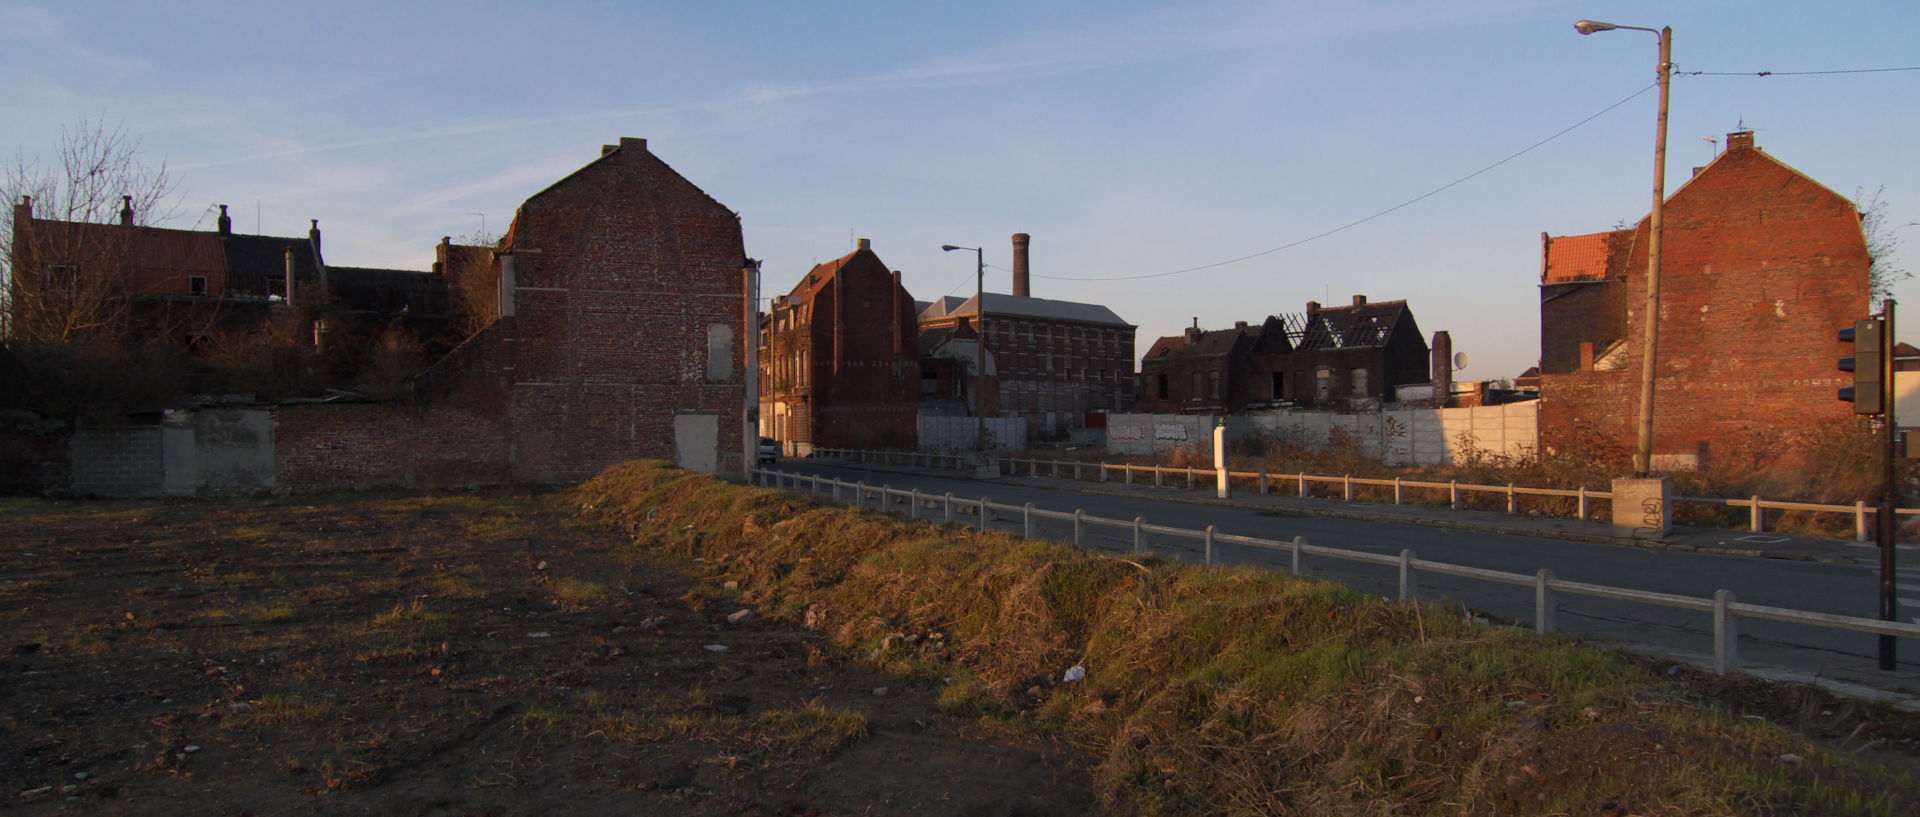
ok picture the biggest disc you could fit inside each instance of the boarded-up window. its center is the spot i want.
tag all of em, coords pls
(719, 351)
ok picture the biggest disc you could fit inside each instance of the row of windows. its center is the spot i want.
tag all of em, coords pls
(1206, 385)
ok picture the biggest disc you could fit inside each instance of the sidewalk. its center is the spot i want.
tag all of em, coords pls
(1726, 541)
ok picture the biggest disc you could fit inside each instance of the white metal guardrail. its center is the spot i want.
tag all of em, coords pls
(982, 513)
(1267, 482)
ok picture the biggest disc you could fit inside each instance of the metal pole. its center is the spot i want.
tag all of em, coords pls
(980, 349)
(750, 325)
(1889, 495)
(1650, 357)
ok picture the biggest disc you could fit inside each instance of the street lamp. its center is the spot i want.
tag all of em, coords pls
(1643, 451)
(979, 345)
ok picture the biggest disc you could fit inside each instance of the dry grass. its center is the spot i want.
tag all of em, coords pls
(1232, 691)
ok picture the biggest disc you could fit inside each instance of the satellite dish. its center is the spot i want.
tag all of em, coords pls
(1459, 360)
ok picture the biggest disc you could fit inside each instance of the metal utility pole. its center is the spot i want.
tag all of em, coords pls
(750, 324)
(980, 343)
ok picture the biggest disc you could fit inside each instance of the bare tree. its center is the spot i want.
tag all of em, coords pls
(1882, 240)
(64, 276)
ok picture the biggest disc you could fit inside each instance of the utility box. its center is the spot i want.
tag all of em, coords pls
(1642, 508)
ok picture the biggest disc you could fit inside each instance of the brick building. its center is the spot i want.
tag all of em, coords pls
(1059, 364)
(839, 361)
(1203, 372)
(1325, 358)
(157, 283)
(1760, 266)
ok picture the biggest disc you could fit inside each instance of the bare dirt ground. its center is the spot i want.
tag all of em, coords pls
(449, 654)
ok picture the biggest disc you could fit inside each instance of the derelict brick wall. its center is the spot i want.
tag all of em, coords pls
(622, 270)
(1571, 314)
(322, 446)
(1761, 266)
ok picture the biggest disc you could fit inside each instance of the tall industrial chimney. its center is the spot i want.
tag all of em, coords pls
(1021, 286)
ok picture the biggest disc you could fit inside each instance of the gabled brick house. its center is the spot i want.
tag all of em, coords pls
(1200, 371)
(619, 335)
(1343, 357)
(840, 363)
(1761, 265)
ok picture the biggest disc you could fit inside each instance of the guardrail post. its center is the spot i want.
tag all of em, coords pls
(1158, 479)
(1056, 469)
(1189, 478)
(1860, 521)
(1103, 472)
(1078, 517)
(1725, 633)
(949, 506)
(1453, 494)
(1406, 575)
(1076, 471)
(1396, 490)
(1513, 505)
(1138, 541)
(1129, 470)
(1209, 544)
(1298, 543)
(1348, 489)
(860, 494)
(1303, 484)
(985, 512)
(1026, 521)
(1543, 604)
(1583, 502)
(1758, 517)
(1263, 482)
(913, 505)
(886, 497)
(835, 489)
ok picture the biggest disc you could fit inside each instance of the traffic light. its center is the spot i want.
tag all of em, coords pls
(1866, 393)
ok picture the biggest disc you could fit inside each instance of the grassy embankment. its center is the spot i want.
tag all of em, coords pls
(1239, 691)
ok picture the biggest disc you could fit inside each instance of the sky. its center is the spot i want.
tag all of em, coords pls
(1130, 139)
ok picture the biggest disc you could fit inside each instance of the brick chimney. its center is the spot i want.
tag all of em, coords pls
(126, 211)
(866, 245)
(1313, 311)
(1193, 332)
(1442, 367)
(1359, 300)
(226, 224)
(1740, 140)
(1021, 286)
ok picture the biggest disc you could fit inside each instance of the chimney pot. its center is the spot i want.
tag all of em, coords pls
(226, 223)
(1359, 300)
(1022, 285)
(126, 211)
(866, 244)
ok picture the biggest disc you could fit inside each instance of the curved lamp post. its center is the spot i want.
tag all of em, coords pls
(1643, 450)
(980, 343)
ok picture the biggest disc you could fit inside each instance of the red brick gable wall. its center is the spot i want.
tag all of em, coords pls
(870, 396)
(625, 271)
(1761, 266)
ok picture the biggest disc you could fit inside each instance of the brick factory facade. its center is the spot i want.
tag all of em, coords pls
(1061, 365)
(839, 360)
(1761, 265)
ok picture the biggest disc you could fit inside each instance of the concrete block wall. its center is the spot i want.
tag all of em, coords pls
(118, 461)
(1405, 437)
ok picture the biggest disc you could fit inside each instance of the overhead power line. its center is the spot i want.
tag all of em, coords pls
(1789, 73)
(1357, 222)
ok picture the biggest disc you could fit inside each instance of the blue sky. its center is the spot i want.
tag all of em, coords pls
(1128, 138)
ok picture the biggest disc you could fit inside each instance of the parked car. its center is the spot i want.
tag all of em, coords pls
(769, 450)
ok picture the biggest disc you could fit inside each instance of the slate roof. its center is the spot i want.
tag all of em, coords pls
(1021, 306)
(388, 290)
(1345, 327)
(257, 264)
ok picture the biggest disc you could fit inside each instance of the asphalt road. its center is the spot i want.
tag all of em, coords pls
(1799, 650)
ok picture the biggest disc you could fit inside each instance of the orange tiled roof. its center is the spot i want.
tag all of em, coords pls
(1578, 257)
